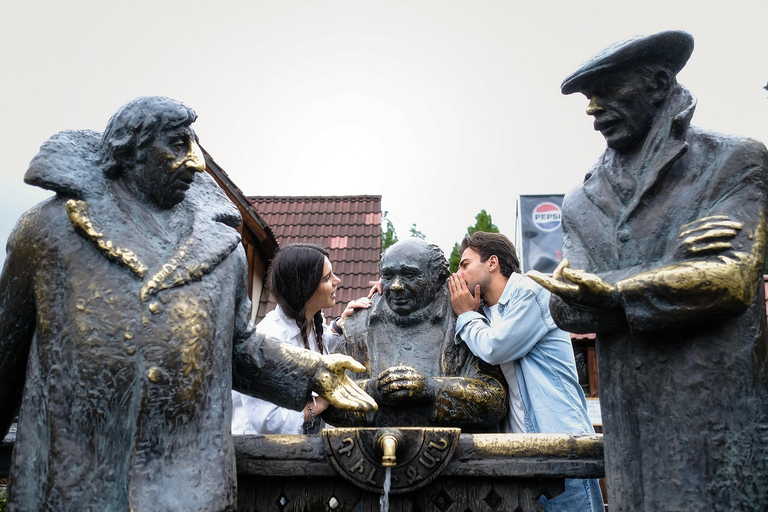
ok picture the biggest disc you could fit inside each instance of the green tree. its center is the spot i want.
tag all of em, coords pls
(388, 236)
(483, 222)
(415, 233)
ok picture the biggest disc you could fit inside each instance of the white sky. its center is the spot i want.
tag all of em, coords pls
(442, 107)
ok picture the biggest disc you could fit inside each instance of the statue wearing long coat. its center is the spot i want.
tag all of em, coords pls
(123, 337)
(683, 366)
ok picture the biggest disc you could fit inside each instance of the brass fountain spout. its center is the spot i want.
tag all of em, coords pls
(387, 443)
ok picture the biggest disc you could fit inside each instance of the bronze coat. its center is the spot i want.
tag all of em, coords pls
(124, 341)
(683, 381)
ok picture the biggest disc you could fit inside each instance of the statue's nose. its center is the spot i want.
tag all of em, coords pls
(195, 158)
(397, 285)
(593, 107)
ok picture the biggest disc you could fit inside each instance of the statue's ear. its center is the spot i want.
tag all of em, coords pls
(661, 83)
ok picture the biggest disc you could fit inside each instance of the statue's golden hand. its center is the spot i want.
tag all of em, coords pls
(337, 388)
(708, 235)
(578, 287)
(402, 383)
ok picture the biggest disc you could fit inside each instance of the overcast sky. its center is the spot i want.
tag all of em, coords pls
(441, 107)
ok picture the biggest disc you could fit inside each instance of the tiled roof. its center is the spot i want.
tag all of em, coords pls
(348, 226)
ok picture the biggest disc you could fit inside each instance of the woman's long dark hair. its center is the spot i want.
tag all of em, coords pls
(294, 275)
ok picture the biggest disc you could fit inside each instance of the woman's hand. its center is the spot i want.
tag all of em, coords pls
(361, 303)
(318, 406)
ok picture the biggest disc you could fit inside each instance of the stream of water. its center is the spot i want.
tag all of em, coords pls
(384, 500)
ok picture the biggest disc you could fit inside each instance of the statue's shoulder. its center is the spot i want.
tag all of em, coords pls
(39, 228)
(206, 195)
(706, 141)
(67, 163)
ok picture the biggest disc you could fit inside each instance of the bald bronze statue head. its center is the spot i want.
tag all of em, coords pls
(412, 272)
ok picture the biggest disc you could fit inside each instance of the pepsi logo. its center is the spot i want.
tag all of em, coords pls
(546, 216)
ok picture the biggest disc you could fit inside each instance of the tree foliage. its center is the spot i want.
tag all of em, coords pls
(415, 233)
(483, 222)
(389, 235)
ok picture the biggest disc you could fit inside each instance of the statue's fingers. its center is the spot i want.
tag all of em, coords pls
(575, 276)
(711, 226)
(558, 272)
(350, 396)
(704, 220)
(713, 247)
(395, 379)
(711, 235)
(339, 363)
(554, 286)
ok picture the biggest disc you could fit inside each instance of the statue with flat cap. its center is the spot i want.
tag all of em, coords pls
(664, 243)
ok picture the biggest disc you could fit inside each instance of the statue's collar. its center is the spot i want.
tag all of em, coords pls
(67, 164)
(663, 146)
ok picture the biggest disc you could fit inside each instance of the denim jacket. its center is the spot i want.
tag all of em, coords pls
(542, 355)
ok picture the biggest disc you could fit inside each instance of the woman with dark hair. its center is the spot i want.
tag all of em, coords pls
(302, 281)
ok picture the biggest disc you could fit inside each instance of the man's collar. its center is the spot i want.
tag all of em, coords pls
(509, 289)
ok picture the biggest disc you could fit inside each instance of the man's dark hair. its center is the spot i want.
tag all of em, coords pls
(135, 126)
(493, 244)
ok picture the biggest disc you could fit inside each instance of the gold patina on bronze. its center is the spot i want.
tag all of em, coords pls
(416, 456)
(80, 218)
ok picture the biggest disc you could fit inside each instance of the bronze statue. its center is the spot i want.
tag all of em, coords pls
(124, 323)
(664, 244)
(415, 371)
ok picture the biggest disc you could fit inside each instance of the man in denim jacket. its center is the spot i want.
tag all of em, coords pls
(518, 334)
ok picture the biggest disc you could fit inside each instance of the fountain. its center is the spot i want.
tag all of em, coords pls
(429, 446)
(344, 470)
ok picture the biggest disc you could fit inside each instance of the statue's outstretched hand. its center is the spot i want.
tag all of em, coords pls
(333, 384)
(708, 235)
(577, 287)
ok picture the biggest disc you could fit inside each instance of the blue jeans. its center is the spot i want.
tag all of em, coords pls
(579, 496)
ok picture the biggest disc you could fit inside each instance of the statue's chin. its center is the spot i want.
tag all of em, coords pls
(404, 311)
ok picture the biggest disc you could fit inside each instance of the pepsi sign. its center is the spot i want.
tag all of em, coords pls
(546, 216)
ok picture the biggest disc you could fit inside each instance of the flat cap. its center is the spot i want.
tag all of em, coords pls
(671, 48)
